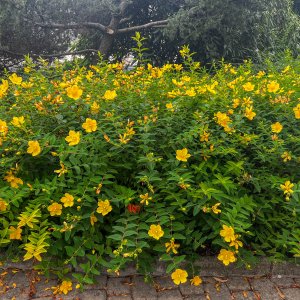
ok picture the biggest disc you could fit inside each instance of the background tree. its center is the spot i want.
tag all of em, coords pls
(236, 29)
(233, 29)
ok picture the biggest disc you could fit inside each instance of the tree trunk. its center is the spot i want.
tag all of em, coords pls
(107, 40)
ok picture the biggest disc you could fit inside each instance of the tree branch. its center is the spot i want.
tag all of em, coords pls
(49, 55)
(124, 20)
(77, 25)
(139, 27)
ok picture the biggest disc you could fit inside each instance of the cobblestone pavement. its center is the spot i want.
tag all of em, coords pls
(266, 282)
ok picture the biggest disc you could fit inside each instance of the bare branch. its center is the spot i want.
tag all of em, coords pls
(124, 20)
(49, 55)
(77, 25)
(151, 24)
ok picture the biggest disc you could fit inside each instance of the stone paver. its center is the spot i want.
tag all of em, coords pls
(164, 282)
(283, 281)
(100, 283)
(287, 269)
(238, 283)
(264, 288)
(245, 295)
(142, 290)
(291, 294)
(217, 291)
(91, 295)
(169, 295)
(189, 290)
(119, 298)
(283, 285)
(118, 286)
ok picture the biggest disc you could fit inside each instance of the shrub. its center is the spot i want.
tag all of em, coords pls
(101, 167)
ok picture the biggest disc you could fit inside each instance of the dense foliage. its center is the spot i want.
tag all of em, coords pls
(101, 167)
(236, 29)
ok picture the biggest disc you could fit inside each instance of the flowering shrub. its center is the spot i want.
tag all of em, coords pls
(102, 167)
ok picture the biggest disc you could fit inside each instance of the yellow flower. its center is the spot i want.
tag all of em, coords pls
(179, 276)
(204, 137)
(74, 92)
(106, 138)
(286, 156)
(67, 200)
(236, 243)
(249, 114)
(93, 219)
(95, 108)
(14, 78)
(215, 208)
(226, 257)
(287, 187)
(182, 154)
(34, 148)
(61, 171)
(104, 207)
(172, 246)
(130, 131)
(15, 233)
(273, 87)
(13, 180)
(55, 209)
(65, 287)
(276, 127)
(145, 199)
(73, 138)
(90, 125)
(3, 205)
(18, 121)
(3, 127)
(260, 74)
(110, 95)
(184, 51)
(222, 119)
(227, 233)
(191, 92)
(169, 106)
(295, 109)
(196, 280)
(123, 138)
(248, 87)
(236, 103)
(156, 232)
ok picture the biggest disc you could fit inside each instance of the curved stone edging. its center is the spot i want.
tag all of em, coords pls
(209, 266)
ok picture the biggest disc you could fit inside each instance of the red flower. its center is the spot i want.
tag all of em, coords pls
(134, 208)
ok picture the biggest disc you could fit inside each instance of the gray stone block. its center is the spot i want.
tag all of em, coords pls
(128, 297)
(164, 282)
(282, 281)
(118, 286)
(142, 290)
(100, 283)
(264, 288)
(238, 283)
(187, 289)
(211, 266)
(291, 294)
(169, 295)
(196, 297)
(286, 269)
(263, 268)
(92, 295)
(217, 293)
(19, 294)
(247, 295)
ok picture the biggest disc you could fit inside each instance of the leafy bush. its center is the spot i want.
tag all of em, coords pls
(102, 167)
